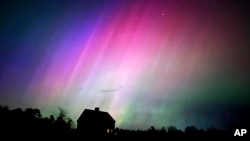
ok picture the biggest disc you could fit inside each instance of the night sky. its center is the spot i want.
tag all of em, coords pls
(146, 62)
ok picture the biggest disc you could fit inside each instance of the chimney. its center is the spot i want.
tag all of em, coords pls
(97, 109)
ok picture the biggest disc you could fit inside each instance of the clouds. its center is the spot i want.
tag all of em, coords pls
(111, 90)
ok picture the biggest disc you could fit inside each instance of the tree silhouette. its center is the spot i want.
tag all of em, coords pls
(24, 123)
(62, 116)
(61, 125)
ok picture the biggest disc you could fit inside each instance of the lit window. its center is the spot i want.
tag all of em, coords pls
(108, 131)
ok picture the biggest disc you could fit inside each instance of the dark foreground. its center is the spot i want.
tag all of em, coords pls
(191, 133)
(30, 125)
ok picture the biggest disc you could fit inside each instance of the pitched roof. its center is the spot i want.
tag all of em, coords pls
(95, 115)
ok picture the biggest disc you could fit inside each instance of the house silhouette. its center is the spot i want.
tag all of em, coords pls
(95, 122)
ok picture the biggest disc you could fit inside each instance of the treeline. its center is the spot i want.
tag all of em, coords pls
(173, 132)
(30, 123)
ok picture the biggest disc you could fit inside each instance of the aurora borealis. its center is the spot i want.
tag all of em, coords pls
(146, 62)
